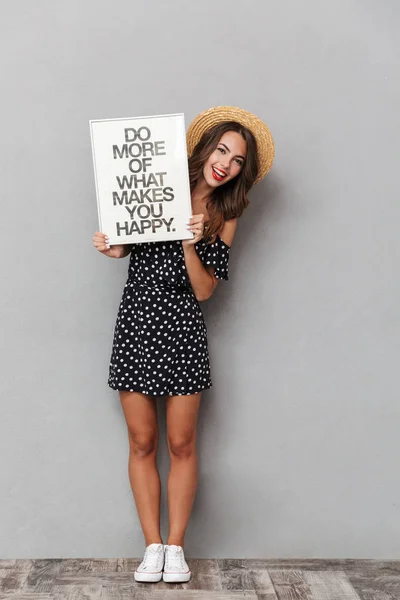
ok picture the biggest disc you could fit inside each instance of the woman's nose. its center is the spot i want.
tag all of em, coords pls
(224, 164)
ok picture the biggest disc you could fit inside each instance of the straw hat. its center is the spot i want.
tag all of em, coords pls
(217, 114)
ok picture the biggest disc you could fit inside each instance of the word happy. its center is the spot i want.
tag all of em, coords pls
(143, 188)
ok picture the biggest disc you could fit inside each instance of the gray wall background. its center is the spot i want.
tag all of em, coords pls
(299, 437)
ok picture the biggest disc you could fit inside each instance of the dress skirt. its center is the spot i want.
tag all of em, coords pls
(160, 345)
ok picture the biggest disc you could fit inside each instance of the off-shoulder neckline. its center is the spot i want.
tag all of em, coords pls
(219, 238)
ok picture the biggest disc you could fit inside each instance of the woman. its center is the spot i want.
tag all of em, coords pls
(160, 338)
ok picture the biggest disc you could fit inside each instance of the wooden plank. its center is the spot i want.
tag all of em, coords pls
(322, 564)
(235, 574)
(127, 564)
(290, 584)
(99, 578)
(42, 576)
(13, 577)
(330, 585)
(238, 574)
(28, 596)
(263, 585)
(151, 593)
(88, 565)
(377, 596)
(8, 563)
(83, 591)
(205, 574)
(382, 586)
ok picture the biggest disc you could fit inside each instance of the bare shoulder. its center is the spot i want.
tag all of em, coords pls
(228, 231)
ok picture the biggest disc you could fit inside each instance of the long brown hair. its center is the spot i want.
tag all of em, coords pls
(229, 200)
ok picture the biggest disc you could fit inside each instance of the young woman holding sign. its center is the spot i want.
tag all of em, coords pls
(160, 338)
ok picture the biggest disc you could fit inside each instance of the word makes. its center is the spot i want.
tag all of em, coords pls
(151, 195)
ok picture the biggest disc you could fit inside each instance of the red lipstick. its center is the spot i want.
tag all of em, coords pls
(217, 175)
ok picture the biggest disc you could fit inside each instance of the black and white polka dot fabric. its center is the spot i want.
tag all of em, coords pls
(160, 338)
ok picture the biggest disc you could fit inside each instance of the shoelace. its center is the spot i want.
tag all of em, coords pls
(150, 558)
(174, 559)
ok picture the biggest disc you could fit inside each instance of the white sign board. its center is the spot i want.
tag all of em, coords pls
(142, 179)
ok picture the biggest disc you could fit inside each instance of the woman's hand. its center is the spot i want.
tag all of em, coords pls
(197, 227)
(102, 243)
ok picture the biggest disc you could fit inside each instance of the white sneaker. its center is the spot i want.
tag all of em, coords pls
(151, 567)
(176, 568)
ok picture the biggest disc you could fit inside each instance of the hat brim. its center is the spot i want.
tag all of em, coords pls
(217, 114)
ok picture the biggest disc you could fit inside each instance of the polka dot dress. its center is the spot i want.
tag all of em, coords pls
(160, 338)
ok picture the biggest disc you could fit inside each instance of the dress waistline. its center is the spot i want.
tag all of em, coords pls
(169, 288)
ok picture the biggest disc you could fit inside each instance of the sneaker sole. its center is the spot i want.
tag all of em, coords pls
(176, 577)
(148, 577)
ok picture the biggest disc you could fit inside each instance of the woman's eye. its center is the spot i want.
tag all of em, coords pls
(222, 150)
(239, 162)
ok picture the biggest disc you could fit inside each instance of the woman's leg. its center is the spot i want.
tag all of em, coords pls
(141, 418)
(181, 415)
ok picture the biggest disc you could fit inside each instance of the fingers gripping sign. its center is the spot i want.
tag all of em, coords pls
(196, 226)
(101, 242)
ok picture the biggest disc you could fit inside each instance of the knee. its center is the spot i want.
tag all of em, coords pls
(182, 447)
(142, 444)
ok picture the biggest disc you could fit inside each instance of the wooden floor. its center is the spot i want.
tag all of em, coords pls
(212, 579)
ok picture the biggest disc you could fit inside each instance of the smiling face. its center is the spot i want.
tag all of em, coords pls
(226, 161)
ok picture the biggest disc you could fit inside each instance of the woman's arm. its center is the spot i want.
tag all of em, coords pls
(202, 278)
(125, 250)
